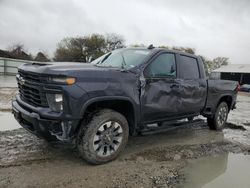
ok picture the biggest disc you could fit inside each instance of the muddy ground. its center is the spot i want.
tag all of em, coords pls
(6, 95)
(148, 161)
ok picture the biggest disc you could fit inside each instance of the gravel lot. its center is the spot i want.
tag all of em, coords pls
(148, 161)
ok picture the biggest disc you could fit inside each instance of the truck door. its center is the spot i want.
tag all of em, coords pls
(159, 89)
(193, 85)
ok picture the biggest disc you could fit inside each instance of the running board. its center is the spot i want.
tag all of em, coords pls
(155, 128)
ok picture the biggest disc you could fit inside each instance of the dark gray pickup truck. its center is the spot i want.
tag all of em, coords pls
(97, 105)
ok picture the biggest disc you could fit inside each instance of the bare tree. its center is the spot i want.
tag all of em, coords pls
(184, 49)
(114, 41)
(17, 51)
(70, 49)
(216, 63)
(40, 56)
(87, 48)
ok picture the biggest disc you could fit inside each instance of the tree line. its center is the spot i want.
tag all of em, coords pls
(17, 51)
(89, 47)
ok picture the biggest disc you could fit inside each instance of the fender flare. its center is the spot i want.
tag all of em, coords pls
(219, 100)
(110, 98)
(224, 95)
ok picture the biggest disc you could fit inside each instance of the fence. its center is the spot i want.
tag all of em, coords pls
(9, 66)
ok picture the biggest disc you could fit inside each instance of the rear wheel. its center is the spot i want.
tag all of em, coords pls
(220, 117)
(104, 137)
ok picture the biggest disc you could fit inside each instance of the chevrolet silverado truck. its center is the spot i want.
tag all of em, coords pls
(96, 106)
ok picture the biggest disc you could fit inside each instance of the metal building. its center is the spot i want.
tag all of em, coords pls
(236, 72)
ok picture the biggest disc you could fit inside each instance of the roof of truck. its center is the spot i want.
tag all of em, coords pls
(163, 49)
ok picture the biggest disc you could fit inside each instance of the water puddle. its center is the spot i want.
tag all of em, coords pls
(7, 121)
(229, 170)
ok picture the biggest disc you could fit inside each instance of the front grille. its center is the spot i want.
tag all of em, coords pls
(31, 90)
(30, 77)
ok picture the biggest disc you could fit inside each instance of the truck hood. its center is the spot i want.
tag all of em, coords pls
(82, 71)
(59, 68)
(94, 80)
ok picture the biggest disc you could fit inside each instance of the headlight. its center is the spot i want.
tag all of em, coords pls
(55, 101)
(63, 80)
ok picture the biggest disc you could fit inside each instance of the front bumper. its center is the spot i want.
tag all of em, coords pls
(53, 129)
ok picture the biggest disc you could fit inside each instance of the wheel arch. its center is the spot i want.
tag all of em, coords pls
(226, 98)
(128, 108)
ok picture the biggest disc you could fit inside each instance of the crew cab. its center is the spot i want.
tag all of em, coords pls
(96, 106)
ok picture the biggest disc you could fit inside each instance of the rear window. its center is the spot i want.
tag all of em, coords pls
(189, 68)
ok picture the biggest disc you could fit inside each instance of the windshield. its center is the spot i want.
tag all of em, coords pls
(123, 58)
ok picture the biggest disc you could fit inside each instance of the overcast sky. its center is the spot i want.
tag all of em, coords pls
(214, 28)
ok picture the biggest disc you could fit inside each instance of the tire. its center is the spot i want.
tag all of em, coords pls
(190, 118)
(220, 117)
(103, 137)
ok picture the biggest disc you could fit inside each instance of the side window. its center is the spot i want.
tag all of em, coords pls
(189, 68)
(162, 66)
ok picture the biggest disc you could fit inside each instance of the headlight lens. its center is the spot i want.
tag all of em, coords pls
(55, 101)
(63, 80)
(58, 98)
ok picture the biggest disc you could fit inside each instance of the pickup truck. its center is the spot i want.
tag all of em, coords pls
(96, 106)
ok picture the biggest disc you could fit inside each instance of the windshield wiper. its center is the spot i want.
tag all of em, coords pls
(123, 62)
(102, 60)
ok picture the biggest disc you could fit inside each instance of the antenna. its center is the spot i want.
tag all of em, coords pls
(151, 46)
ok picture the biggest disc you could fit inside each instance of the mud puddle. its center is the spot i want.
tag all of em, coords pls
(8, 122)
(227, 170)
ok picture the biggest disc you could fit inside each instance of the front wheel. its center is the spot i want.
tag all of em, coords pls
(220, 117)
(104, 137)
